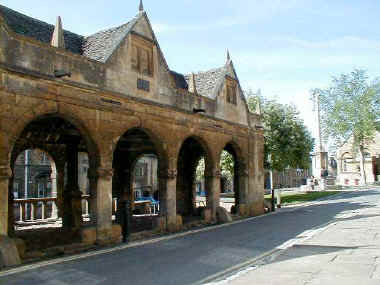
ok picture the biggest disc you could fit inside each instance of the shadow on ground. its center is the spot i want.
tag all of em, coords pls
(189, 259)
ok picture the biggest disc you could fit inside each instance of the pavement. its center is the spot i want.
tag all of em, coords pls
(333, 241)
(344, 251)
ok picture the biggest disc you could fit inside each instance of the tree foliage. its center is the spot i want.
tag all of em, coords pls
(287, 140)
(350, 110)
(226, 166)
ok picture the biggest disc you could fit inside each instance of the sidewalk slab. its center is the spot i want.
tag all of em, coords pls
(346, 251)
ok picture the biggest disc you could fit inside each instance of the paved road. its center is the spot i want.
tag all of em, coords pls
(189, 259)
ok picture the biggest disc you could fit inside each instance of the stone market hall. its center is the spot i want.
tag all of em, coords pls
(113, 97)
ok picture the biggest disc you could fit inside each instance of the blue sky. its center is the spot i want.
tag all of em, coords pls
(285, 48)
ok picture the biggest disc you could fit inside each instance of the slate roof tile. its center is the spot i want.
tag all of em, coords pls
(41, 31)
(101, 45)
(98, 46)
(207, 82)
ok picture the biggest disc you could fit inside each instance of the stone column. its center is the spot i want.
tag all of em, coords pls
(242, 180)
(5, 175)
(72, 214)
(255, 171)
(104, 206)
(11, 229)
(168, 203)
(60, 189)
(93, 181)
(213, 190)
(53, 177)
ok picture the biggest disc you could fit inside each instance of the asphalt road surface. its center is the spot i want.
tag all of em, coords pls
(194, 257)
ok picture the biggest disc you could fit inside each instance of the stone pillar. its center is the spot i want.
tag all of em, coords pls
(11, 228)
(168, 203)
(320, 163)
(255, 170)
(5, 175)
(93, 181)
(60, 189)
(104, 206)
(213, 190)
(53, 177)
(242, 180)
(72, 214)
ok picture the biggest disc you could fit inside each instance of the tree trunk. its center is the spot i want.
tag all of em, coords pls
(363, 180)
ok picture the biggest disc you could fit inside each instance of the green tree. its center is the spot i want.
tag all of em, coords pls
(226, 166)
(350, 111)
(287, 140)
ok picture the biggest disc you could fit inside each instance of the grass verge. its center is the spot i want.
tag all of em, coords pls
(301, 197)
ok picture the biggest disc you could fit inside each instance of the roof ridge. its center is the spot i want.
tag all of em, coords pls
(108, 29)
(207, 71)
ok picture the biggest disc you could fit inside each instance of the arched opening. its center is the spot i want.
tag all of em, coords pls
(193, 163)
(50, 188)
(136, 162)
(145, 185)
(231, 179)
(34, 190)
(346, 162)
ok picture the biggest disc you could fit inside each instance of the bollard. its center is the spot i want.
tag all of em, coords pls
(278, 197)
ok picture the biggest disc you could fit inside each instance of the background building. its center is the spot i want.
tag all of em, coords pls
(348, 163)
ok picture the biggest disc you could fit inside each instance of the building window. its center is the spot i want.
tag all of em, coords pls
(41, 190)
(231, 92)
(142, 60)
(139, 172)
(135, 58)
(16, 190)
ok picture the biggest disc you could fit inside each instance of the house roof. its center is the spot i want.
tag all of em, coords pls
(41, 31)
(98, 46)
(101, 45)
(208, 82)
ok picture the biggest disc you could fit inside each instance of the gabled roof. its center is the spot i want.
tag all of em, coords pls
(41, 31)
(209, 82)
(101, 45)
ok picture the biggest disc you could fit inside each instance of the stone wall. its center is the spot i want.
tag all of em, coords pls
(103, 102)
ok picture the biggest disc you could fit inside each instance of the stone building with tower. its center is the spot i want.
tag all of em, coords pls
(112, 96)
